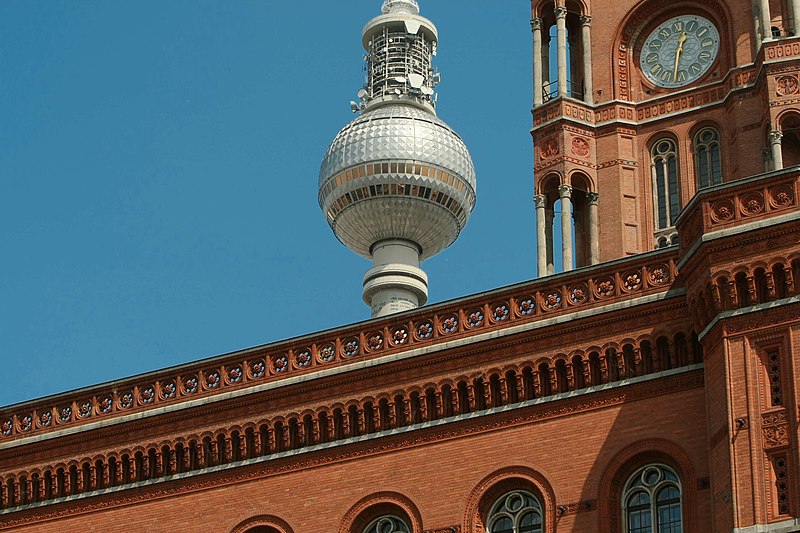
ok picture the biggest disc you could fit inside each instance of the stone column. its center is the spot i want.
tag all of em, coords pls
(536, 27)
(758, 35)
(561, 37)
(766, 20)
(594, 230)
(565, 193)
(548, 228)
(541, 234)
(775, 138)
(545, 62)
(794, 12)
(586, 37)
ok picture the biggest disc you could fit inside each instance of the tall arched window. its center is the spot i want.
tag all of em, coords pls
(707, 163)
(651, 501)
(387, 524)
(666, 196)
(518, 511)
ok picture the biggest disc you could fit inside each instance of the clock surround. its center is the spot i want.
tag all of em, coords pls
(679, 51)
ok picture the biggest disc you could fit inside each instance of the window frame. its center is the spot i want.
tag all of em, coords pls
(372, 526)
(636, 484)
(499, 510)
(700, 146)
(662, 164)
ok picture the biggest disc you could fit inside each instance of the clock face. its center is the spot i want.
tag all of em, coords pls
(679, 51)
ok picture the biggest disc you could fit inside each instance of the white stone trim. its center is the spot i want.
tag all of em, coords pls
(747, 310)
(785, 526)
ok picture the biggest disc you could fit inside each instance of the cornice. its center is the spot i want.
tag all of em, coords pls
(457, 349)
(552, 300)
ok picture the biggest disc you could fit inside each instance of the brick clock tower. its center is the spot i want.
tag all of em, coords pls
(639, 105)
(653, 386)
(663, 123)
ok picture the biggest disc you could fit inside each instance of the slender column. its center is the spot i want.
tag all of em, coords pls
(301, 433)
(545, 61)
(377, 423)
(565, 193)
(758, 35)
(586, 37)
(766, 157)
(561, 37)
(766, 20)
(775, 137)
(594, 230)
(159, 464)
(548, 228)
(316, 436)
(4, 497)
(186, 457)
(391, 407)
(536, 28)
(794, 11)
(456, 400)
(347, 427)
(201, 457)
(541, 235)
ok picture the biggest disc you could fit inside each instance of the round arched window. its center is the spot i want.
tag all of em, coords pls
(518, 511)
(651, 501)
(387, 524)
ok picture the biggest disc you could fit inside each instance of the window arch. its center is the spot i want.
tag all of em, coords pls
(666, 196)
(651, 501)
(387, 524)
(517, 511)
(707, 160)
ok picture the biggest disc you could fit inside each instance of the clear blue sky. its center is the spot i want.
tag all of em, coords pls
(159, 165)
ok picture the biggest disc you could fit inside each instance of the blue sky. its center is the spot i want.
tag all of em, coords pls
(159, 165)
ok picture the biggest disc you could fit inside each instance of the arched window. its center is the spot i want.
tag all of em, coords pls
(665, 183)
(707, 164)
(651, 501)
(387, 524)
(518, 511)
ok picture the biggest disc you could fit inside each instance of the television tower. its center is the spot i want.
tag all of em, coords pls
(397, 184)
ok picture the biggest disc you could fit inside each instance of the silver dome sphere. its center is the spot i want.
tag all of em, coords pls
(397, 172)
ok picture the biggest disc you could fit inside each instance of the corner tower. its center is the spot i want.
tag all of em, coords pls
(638, 105)
(397, 184)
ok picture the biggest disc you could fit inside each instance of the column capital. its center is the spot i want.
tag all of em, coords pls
(561, 12)
(564, 191)
(775, 136)
(540, 200)
(586, 20)
(536, 24)
(592, 198)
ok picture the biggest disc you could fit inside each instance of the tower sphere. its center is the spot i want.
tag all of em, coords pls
(397, 184)
(397, 172)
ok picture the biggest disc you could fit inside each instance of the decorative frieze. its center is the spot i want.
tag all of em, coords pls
(523, 303)
(289, 435)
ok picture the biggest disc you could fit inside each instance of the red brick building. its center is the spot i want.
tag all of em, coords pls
(654, 387)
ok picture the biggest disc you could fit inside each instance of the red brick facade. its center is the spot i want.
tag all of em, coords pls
(686, 357)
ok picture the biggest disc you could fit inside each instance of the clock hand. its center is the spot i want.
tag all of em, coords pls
(678, 53)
